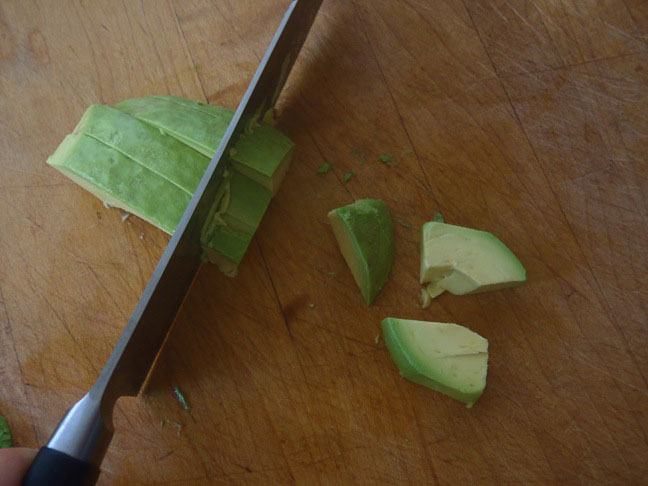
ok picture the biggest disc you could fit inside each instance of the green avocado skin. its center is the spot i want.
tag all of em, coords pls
(413, 372)
(369, 227)
(5, 433)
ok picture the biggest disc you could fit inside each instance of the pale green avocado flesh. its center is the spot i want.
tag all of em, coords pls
(445, 357)
(132, 165)
(231, 232)
(162, 154)
(364, 234)
(466, 261)
(119, 181)
(263, 155)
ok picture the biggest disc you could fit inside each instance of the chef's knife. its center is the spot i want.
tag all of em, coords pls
(74, 453)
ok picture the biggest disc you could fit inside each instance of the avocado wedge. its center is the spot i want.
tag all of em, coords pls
(364, 234)
(466, 261)
(445, 357)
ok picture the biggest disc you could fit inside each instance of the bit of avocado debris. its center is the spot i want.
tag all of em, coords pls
(425, 298)
(176, 425)
(403, 223)
(5, 433)
(386, 158)
(178, 394)
(438, 217)
(324, 168)
(346, 177)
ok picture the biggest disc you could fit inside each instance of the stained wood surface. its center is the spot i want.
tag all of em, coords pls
(525, 118)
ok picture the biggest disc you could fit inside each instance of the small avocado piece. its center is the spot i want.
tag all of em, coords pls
(426, 299)
(364, 233)
(324, 168)
(229, 233)
(445, 357)
(5, 433)
(466, 261)
(181, 398)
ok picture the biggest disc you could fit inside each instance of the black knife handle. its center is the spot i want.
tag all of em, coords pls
(74, 452)
(54, 468)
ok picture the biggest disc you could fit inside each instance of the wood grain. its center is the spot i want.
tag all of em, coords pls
(527, 119)
(530, 36)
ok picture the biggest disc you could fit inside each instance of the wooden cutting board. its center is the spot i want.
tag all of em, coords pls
(526, 119)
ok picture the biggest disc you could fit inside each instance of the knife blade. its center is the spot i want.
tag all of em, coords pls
(76, 449)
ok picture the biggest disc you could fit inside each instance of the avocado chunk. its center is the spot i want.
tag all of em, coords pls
(263, 155)
(364, 234)
(466, 261)
(445, 357)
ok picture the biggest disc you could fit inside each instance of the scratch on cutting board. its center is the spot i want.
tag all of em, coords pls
(616, 29)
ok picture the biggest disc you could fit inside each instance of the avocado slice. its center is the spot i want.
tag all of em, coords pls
(119, 181)
(445, 357)
(263, 155)
(466, 261)
(364, 233)
(161, 154)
